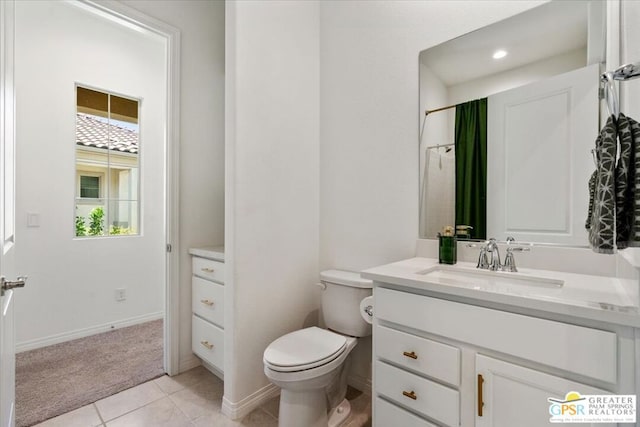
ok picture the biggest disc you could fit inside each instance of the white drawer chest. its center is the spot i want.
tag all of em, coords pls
(207, 320)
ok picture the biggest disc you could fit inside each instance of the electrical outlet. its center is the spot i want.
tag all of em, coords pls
(121, 294)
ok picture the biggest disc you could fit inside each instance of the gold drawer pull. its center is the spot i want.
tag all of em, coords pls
(207, 344)
(411, 355)
(480, 398)
(410, 394)
(207, 269)
(206, 302)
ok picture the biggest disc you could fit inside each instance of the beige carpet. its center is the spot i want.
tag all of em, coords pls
(57, 379)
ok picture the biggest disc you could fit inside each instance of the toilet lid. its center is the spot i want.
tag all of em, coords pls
(304, 349)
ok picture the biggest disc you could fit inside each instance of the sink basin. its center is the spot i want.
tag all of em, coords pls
(494, 281)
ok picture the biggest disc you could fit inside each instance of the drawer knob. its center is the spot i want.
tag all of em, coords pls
(410, 394)
(206, 302)
(410, 355)
(207, 269)
(207, 344)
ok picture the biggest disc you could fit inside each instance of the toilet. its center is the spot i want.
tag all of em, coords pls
(310, 365)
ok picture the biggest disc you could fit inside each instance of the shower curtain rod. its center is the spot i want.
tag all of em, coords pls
(439, 146)
(427, 112)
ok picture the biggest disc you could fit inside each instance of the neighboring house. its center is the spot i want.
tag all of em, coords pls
(107, 170)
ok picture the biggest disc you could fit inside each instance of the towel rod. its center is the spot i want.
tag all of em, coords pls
(625, 72)
(622, 73)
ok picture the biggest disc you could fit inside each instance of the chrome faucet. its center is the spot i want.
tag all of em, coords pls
(492, 255)
(489, 258)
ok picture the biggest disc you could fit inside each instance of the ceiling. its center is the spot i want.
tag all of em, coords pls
(543, 32)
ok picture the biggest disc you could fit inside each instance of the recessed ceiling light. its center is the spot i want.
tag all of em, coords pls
(499, 54)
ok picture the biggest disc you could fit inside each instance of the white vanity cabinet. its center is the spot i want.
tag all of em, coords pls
(207, 293)
(511, 395)
(448, 363)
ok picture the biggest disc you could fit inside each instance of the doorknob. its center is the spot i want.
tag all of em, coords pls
(5, 285)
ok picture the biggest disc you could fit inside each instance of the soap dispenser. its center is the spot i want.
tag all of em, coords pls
(447, 246)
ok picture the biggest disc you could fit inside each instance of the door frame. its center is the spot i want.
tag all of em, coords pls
(126, 15)
(7, 157)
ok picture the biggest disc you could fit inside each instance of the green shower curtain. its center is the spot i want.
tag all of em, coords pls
(471, 166)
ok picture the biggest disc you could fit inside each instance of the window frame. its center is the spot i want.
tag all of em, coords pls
(105, 200)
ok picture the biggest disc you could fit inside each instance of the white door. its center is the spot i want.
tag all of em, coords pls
(510, 395)
(7, 226)
(539, 138)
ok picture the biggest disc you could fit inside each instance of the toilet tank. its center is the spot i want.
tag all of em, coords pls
(341, 296)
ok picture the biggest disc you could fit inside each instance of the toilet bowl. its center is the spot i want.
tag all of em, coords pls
(310, 365)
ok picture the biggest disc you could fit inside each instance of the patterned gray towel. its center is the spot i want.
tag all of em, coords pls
(602, 223)
(627, 182)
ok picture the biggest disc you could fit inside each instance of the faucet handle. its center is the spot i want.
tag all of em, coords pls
(483, 262)
(518, 249)
(510, 260)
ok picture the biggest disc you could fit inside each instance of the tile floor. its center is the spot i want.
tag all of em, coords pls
(191, 399)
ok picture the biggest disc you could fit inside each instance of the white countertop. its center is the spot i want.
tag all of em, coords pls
(211, 252)
(586, 296)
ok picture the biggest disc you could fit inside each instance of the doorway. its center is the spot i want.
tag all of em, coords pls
(83, 285)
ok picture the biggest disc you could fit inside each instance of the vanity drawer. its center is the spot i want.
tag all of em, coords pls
(431, 358)
(208, 342)
(387, 414)
(208, 300)
(556, 344)
(208, 269)
(421, 395)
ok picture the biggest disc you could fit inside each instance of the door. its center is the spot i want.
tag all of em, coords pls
(510, 395)
(539, 136)
(102, 78)
(7, 226)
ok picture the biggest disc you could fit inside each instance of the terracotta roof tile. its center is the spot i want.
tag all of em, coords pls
(92, 132)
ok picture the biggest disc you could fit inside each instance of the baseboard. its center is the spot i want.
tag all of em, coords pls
(235, 411)
(81, 333)
(189, 362)
(215, 371)
(360, 383)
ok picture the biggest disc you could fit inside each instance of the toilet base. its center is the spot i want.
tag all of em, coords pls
(303, 408)
(308, 409)
(339, 414)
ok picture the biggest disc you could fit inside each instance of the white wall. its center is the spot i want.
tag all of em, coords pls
(369, 124)
(369, 135)
(630, 53)
(72, 282)
(201, 24)
(272, 173)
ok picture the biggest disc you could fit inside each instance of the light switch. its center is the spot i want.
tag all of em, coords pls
(33, 220)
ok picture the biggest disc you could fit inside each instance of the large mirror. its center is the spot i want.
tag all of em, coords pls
(508, 116)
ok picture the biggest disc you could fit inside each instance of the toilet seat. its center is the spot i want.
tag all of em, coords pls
(304, 349)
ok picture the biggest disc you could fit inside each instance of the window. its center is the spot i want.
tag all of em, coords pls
(89, 187)
(107, 164)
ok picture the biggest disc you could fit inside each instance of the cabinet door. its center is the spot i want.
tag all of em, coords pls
(516, 396)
